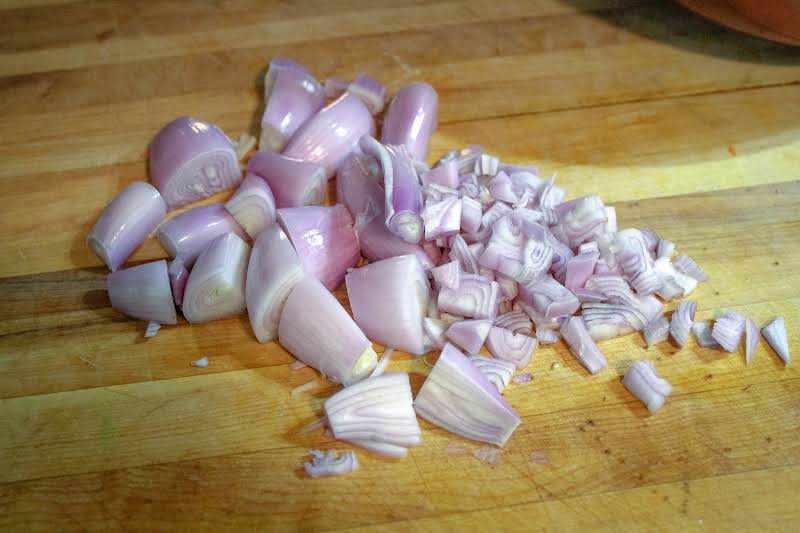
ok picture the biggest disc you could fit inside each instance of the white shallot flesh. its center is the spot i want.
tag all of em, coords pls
(582, 346)
(378, 409)
(497, 371)
(644, 382)
(728, 330)
(316, 329)
(702, 334)
(752, 338)
(682, 320)
(457, 397)
(469, 334)
(656, 331)
(509, 346)
(775, 333)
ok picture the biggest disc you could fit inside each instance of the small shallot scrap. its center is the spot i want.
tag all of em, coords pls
(326, 464)
(490, 456)
(297, 365)
(152, 329)
(455, 448)
(522, 378)
(538, 457)
(304, 387)
(200, 363)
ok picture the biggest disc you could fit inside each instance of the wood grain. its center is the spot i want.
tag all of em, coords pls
(684, 127)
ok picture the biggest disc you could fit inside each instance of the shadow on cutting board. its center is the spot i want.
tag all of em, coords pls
(671, 23)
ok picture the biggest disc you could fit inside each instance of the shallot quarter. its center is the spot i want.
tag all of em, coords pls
(472, 250)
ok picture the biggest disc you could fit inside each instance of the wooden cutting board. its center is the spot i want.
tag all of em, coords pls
(684, 127)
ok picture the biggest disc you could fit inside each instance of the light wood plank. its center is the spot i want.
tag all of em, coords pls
(587, 451)
(721, 503)
(587, 61)
(252, 34)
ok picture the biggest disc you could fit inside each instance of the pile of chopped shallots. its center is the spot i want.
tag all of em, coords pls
(468, 253)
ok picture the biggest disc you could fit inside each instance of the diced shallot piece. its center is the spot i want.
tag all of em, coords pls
(670, 275)
(476, 297)
(294, 183)
(685, 264)
(411, 119)
(702, 333)
(291, 97)
(580, 268)
(252, 205)
(324, 239)
(509, 346)
(378, 410)
(547, 336)
(435, 330)
(753, 337)
(515, 321)
(371, 92)
(643, 381)
(442, 218)
(178, 275)
(315, 328)
(326, 464)
(501, 188)
(636, 261)
(126, 222)
(457, 397)
(445, 174)
(143, 292)
(665, 249)
(775, 333)
(549, 298)
(579, 220)
(471, 214)
(188, 234)
(656, 331)
(682, 320)
(215, 288)
(329, 136)
(582, 346)
(272, 273)
(469, 334)
(447, 275)
(191, 159)
(497, 371)
(389, 299)
(728, 330)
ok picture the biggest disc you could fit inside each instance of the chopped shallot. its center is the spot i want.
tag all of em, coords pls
(200, 363)
(775, 333)
(644, 382)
